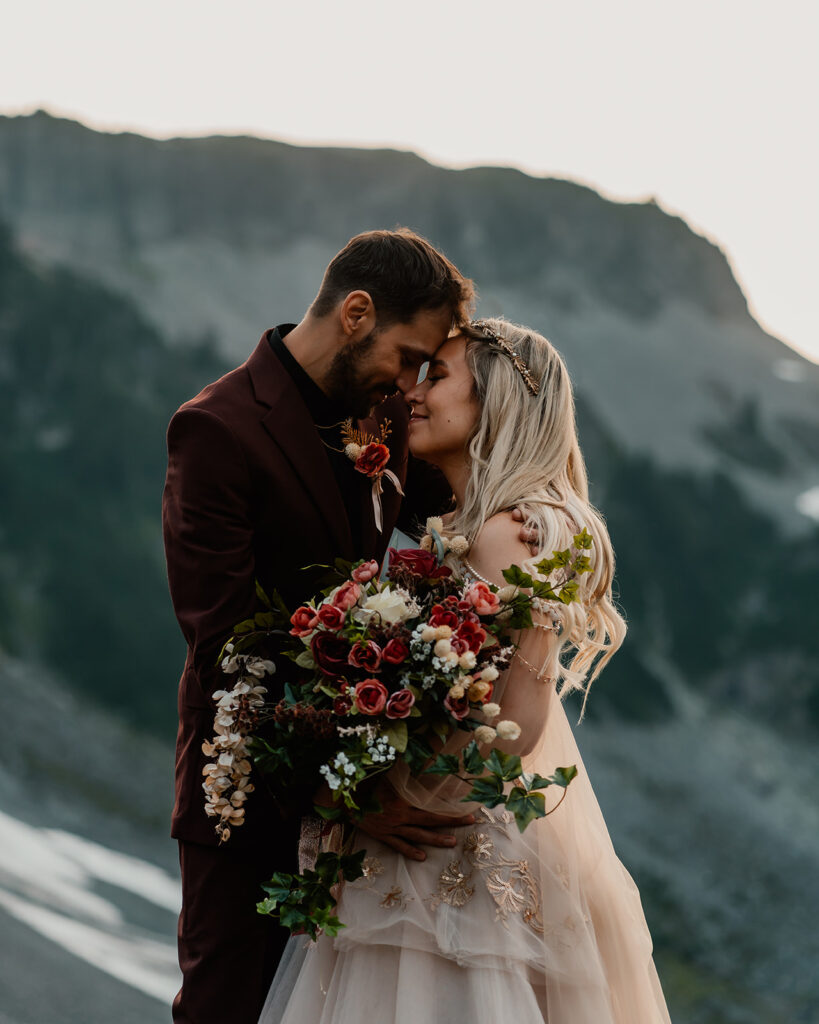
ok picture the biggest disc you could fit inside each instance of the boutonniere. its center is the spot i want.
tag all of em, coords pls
(370, 455)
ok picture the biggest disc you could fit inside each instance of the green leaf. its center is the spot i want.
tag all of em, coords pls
(487, 790)
(441, 728)
(583, 539)
(305, 659)
(473, 761)
(417, 754)
(525, 806)
(562, 558)
(582, 564)
(352, 865)
(343, 566)
(262, 596)
(329, 813)
(545, 566)
(397, 735)
(568, 592)
(507, 766)
(289, 696)
(245, 626)
(563, 776)
(516, 576)
(444, 764)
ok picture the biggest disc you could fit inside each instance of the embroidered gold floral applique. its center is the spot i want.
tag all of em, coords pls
(372, 867)
(453, 887)
(394, 898)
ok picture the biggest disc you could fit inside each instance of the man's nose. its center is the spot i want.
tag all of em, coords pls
(407, 382)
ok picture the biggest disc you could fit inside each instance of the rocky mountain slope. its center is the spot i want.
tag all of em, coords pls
(222, 236)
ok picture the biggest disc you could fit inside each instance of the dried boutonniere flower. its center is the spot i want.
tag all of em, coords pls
(371, 455)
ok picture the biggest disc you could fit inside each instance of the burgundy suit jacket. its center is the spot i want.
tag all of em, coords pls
(250, 494)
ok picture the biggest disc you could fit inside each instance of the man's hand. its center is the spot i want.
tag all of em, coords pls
(528, 536)
(400, 826)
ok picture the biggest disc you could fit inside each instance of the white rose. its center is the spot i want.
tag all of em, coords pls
(467, 660)
(442, 648)
(508, 730)
(491, 710)
(490, 674)
(352, 451)
(459, 545)
(484, 734)
(435, 523)
(391, 606)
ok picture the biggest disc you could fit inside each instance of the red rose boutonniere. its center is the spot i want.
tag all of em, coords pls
(371, 455)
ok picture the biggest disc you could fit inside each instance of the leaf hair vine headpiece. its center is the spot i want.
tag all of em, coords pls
(520, 366)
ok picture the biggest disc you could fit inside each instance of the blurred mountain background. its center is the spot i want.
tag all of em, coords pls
(133, 272)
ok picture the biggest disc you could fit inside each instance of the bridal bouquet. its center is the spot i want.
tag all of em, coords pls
(383, 670)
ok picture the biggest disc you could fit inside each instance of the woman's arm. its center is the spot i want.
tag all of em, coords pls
(526, 685)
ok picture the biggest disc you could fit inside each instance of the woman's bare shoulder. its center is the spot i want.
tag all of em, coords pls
(497, 547)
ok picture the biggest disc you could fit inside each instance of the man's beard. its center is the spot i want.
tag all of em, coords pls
(343, 381)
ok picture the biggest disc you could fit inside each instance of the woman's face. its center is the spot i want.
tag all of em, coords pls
(445, 410)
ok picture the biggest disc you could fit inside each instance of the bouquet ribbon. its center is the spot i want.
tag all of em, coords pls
(378, 489)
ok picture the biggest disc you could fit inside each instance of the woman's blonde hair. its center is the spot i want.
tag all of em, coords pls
(524, 452)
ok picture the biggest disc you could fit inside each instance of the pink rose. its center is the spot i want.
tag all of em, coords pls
(331, 616)
(365, 572)
(482, 599)
(370, 697)
(365, 655)
(304, 621)
(346, 595)
(457, 707)
(395, 652)
(373, 459)
(400, 704)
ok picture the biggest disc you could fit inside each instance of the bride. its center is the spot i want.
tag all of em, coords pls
(544, 926)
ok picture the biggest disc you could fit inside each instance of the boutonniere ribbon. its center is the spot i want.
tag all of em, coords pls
(370, 455)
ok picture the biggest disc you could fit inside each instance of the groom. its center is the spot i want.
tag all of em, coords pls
(258, 486)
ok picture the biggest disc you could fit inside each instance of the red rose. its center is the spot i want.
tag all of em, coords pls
(365, 655)
(342, 705)
(365, 572)
(458, 708)
(304, 621)
(419, 563)
(395, 652)
(440, 616)
(331, 616)
(472, 634)
(482, 599)
(370, 697)
(458, 644)
(400, 704)
(373, 459)
(346, 595)
(330, 652)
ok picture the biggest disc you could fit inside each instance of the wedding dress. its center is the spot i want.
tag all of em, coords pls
(543, 926)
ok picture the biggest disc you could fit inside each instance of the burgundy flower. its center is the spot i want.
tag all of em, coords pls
(419, 563)
(342, 705)
(400, 704)
(365, 655)
(373, 459)
(331, 616)
(441, 616)
(347, 595)
(304, 621)
(457, 707)
(395, 652)
(365, 572)
(330, 652)
(370, 697)
(472, 634)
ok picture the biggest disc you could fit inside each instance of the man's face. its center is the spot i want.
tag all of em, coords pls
(366, 371)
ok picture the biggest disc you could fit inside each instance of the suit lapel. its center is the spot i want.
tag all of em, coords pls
(290, 426)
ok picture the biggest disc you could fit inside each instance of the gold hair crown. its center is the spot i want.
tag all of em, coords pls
(520, 366)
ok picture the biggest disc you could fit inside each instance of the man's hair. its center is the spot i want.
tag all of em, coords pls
(403, 275)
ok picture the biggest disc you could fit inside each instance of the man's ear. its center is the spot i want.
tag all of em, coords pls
(357, 315)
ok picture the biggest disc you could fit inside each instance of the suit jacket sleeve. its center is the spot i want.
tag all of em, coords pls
(208, 535)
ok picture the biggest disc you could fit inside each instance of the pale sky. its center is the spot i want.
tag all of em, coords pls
(711, 106)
